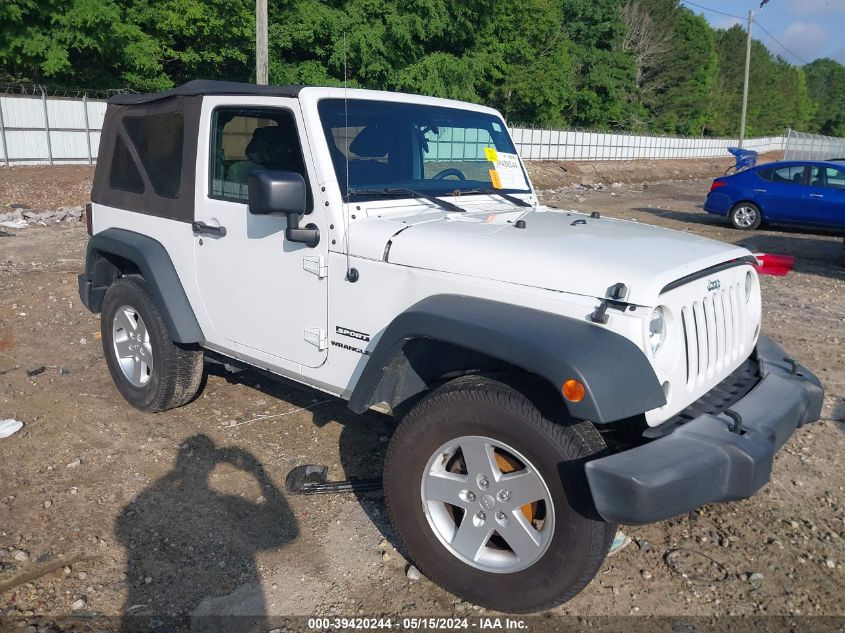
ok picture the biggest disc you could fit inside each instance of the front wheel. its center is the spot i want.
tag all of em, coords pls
(746, 216)
(489, 498)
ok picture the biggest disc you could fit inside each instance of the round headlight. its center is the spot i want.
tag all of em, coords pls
(656, 330)
(749, 285)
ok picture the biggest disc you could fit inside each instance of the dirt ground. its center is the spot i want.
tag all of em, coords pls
(105, 510)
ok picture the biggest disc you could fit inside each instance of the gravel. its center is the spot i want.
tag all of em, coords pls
(44, 187)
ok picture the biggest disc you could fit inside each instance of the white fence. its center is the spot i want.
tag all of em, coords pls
(39, 129)
(803, 146)
(575, 145)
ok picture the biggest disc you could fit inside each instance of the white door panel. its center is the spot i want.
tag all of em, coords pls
(255, 285)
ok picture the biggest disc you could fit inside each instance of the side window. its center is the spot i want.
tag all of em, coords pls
(124, 174)
(249, 139)
(765, 174)
(833, 178)
(158, 141)
(793, 174)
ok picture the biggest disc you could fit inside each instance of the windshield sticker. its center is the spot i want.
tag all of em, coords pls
(494, 179)
(507, 173)
(490, 153)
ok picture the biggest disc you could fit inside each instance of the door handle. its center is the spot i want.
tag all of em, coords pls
(207, 229)
(759, 191)
(816, 195)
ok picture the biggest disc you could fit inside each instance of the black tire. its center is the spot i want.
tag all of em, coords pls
(486, 407)
(176, 371)
(741, 213)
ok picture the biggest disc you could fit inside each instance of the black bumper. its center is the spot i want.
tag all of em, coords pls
(703, 461)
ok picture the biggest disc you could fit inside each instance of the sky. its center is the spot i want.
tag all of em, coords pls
(808, 28)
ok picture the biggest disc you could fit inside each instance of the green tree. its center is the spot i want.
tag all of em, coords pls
(641, 64)
(826, 87)
(524, 61)
(605, 74)
(195, 39)
(75, 43)
(677, 89)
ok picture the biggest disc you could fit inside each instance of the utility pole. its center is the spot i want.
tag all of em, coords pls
(261, 56)
(745, 85)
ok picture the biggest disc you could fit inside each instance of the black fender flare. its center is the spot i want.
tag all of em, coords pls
(618, 378)
(154, 264)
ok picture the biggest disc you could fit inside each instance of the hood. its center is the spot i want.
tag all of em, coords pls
(557, 250)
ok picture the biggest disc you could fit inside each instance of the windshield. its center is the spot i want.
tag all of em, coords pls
(429, 149)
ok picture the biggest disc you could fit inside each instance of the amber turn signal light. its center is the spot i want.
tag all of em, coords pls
(573, 390)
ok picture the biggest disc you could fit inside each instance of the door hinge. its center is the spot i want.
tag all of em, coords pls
(316, 266)
(317, 337)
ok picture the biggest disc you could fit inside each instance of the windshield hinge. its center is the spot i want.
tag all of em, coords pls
(316, 266)
(317, 337)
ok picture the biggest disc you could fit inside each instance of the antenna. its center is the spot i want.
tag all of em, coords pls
(351, 273)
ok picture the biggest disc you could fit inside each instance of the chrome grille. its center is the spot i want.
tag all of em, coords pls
(714, 333)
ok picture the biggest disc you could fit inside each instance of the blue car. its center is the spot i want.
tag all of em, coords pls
(802, 193)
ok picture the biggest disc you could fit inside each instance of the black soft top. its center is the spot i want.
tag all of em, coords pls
(199, 87)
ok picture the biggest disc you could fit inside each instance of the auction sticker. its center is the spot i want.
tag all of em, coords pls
(507, 172)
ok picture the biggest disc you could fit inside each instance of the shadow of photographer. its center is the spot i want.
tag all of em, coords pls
(190, 547)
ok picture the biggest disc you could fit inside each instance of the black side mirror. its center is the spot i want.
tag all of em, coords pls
(282, 193)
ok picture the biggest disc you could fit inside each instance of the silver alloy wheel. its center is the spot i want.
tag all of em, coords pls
(745, 216)
(489, 502)
(132, 347)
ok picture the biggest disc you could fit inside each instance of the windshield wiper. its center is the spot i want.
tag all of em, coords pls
(495, 192)
(387, 191)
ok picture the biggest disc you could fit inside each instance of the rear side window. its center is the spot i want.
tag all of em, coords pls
(766, 174)
(158, 141)
(793, 174)
(124, 174)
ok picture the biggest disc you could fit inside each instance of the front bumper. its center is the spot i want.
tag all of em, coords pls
(703, 461)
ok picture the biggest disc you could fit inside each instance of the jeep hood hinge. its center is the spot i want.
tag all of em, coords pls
(315, 265)
(317, 337)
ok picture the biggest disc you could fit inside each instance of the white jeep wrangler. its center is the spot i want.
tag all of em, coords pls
(555, 373)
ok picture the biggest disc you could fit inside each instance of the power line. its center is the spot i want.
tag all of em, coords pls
(757, 22)
(762, 28)
(730, 15)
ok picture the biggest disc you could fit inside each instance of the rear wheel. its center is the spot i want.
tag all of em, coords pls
(746, 216)
(489, 498)
(151, 371)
